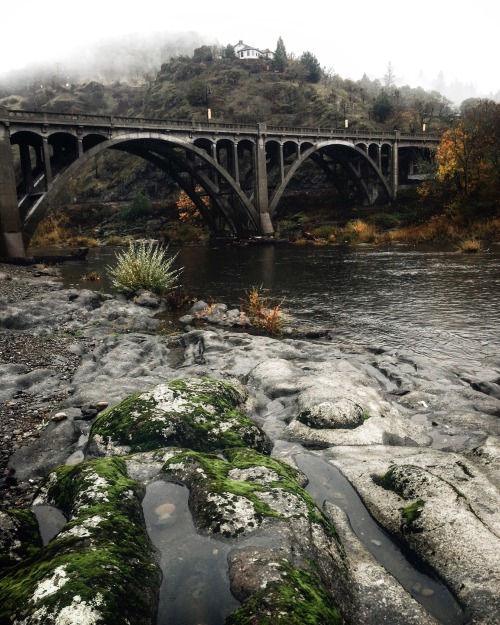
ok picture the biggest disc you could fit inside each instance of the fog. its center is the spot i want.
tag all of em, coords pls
(137, 57)
(126, 58)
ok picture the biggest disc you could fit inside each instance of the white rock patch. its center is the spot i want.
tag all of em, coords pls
(51, 585)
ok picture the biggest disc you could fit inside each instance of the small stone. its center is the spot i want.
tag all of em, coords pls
(87, 414)
(59, 416)
(101, 405)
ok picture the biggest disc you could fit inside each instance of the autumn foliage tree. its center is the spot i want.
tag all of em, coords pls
(468, 157)
(187, 209)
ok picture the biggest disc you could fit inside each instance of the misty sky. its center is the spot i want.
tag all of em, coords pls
(422, 38)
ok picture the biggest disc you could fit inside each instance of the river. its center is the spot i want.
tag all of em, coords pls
(426, 299)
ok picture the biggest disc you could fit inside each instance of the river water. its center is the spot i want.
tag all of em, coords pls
(431, 300)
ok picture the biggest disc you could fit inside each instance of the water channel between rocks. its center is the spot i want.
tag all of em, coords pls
(327, 483)
(195, 588)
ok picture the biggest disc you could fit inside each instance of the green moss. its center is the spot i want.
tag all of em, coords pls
(103, 550)
(297, 599)
(208, 474)
(19, 537)
(390, 481)
(201, 414)
(410, 516)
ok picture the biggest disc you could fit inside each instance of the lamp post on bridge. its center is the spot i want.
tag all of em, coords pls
(209, 110)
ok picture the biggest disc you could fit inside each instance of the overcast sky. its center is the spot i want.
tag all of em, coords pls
(457, 38)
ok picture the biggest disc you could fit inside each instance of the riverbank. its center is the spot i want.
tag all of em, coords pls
(428, 430)
(304, 218)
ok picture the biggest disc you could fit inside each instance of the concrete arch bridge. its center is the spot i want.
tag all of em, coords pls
(243, 169)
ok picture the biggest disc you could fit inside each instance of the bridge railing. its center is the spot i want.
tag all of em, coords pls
(213, 127)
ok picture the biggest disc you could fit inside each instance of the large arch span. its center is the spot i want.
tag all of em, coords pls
(332, 153)
(190, 167)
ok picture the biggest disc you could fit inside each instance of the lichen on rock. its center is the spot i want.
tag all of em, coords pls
(19, 537)
(201, 414)
(237, 495)
(100, 568)
(340, 413)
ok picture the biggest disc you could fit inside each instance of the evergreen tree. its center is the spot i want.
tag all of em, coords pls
(382, 107)
(311, 66)
(280, 58)
(228, 52)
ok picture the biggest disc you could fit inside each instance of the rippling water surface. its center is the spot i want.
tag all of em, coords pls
(429, 300)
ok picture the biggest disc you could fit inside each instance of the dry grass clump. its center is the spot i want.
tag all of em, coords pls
(438, 228)
(82, 241)
(470, 246)
(50, 231)
(114, 239)
(487, 230)
(91, 276)
(359, 230)
(264, 316)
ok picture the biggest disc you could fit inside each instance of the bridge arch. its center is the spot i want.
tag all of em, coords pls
(188, 165)
(322, 146)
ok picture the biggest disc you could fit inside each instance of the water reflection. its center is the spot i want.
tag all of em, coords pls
(195, 588)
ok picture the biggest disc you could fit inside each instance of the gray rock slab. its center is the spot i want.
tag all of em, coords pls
(377, 596)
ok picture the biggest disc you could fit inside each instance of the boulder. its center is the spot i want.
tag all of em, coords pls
(202, 414)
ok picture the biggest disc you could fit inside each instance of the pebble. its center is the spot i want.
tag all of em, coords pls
(59, 416)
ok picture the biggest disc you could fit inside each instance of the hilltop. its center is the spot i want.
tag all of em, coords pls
(296, 92)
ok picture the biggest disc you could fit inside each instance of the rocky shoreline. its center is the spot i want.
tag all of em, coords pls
(418, 439)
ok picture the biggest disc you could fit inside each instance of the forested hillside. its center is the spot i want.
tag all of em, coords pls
(291, 91)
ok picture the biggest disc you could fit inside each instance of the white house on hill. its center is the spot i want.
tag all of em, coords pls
(243, 51)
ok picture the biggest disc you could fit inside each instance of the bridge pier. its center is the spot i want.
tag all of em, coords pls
(261, 190)
(395, 166)
(11, 238)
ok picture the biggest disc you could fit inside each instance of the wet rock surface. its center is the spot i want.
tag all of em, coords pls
(417, 438)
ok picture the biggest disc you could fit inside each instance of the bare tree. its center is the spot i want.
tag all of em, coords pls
(390, 77)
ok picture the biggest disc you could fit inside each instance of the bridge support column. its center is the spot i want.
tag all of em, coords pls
(11, 238)
(395, 166)
(24, 151)
(46, 163)
(236, 165)
(261, 192)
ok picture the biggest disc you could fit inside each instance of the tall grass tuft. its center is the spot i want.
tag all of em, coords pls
(144, 266)
(359, 230)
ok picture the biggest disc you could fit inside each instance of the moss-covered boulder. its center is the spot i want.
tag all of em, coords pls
(198, 413)
(100, 568)
(238, 494)
(297, 598)
(19, 537)
(246, 493)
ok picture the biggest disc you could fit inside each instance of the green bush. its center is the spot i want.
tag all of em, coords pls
(139, 207)
(144, 266)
